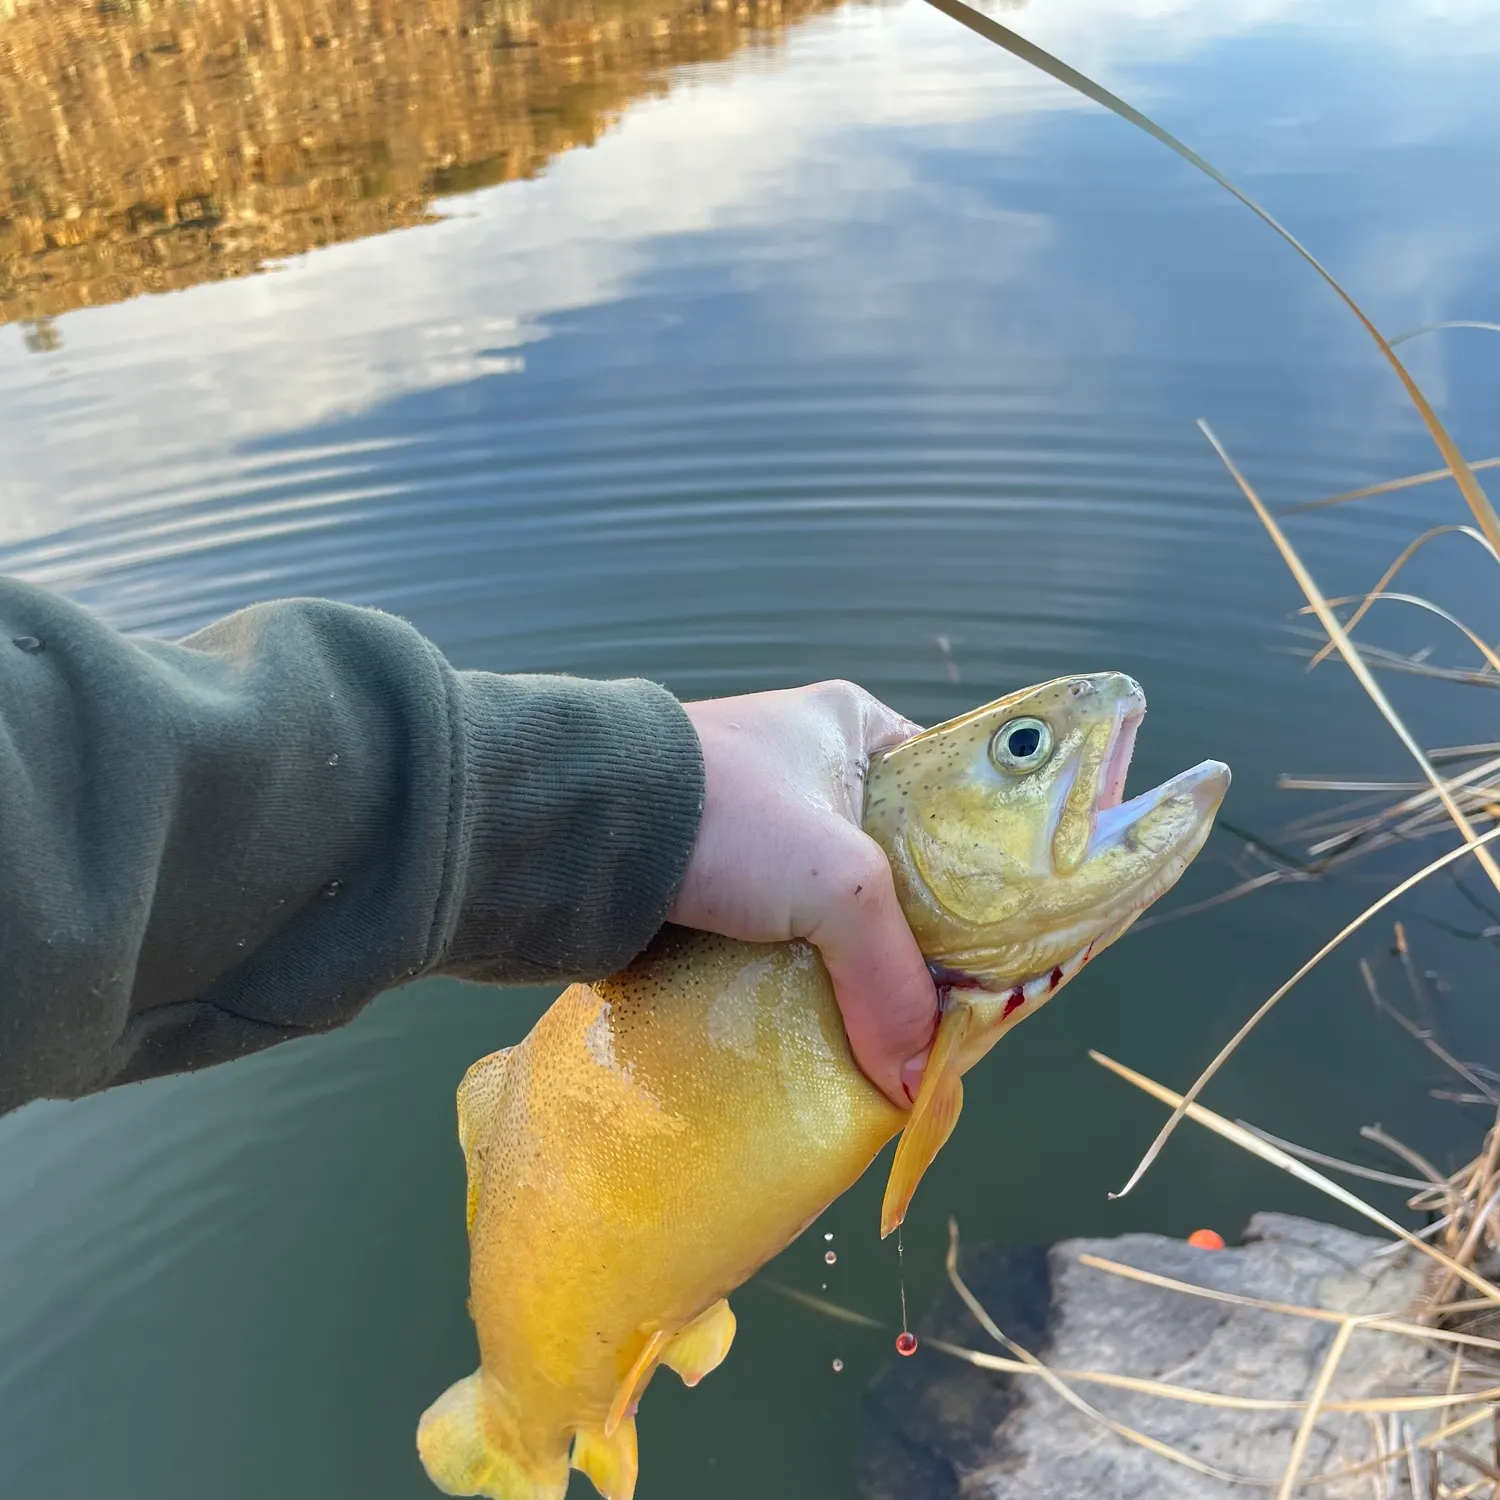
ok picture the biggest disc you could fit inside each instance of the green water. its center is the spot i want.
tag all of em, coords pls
(874, 356)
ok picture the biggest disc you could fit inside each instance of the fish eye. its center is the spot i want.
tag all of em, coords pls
(1021, 745)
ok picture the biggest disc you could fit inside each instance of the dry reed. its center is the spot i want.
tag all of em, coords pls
(1463, 1238)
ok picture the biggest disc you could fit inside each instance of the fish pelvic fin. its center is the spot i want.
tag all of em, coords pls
(932, 1117)
(465, 1455)
(701, 1345)
(610, 1462)
(637, 1378)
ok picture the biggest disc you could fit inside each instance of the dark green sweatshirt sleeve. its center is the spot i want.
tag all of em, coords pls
(211, 845)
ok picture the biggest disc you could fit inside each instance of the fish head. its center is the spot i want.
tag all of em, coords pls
(1015, 855)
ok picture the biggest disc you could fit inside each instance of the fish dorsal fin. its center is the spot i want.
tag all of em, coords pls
(699, 1347)
(932, 1117)
(635, 1381)
(611, 1462)
(476, 1097)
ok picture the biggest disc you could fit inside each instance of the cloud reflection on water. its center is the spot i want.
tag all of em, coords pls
(817, 157)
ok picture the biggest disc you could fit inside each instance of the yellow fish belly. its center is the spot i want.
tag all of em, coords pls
(656, 1138)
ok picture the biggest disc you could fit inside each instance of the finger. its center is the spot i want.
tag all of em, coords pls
(868, 723)
(886, 995)
(885, 727)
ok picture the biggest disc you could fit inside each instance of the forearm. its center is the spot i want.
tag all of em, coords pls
(215, 844)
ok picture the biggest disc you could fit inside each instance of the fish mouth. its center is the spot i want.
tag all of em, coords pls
(1113, 816)
(1117, 759)
(1114, 820)
(1200, 789)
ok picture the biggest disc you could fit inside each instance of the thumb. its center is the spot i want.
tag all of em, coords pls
(887, 997)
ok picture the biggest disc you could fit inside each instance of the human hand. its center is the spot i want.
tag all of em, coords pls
(781, 854)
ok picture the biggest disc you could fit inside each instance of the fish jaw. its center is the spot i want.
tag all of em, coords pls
(1186, 805)
(1013, 876)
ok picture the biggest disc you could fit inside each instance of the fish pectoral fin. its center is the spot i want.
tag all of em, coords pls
(635, 1382)
(610, 1462)
(476, 1095)
(479, 1085)
(463, 1457)
(932, 1117)
(701, 1345)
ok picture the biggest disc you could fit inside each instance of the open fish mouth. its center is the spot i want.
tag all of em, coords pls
(1114, 816)
(1115, 821)
(1122, 747)
(1200, 790)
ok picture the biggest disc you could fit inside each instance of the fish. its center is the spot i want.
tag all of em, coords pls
(662, 1133)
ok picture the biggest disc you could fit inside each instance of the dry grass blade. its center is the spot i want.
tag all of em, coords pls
(1139, 1386)
(1029, 52)
(1463, 1455)
(1461, 752)
(1399, 1148)
(1192, 1396)
(1471, 785)
(1403, 557)
(1395, 1453)
(1375, 595)
(1413, 1474)
(1338, 1164)
(1223, 898)
(1412, 333)
(1292, 1310)
(1227, 1051)
(1385, 487)
(1314, 1407)
(1416, 664)
(1068, 1394)
(1465, 1252)
(1295, 1168)
(820, 1304)
(1285, 783)
(1346, 648)
(1417, 1034)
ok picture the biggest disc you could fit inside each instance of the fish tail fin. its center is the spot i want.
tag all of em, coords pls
(464, 1455)
(611, 1462)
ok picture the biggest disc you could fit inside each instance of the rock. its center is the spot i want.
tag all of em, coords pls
(934, 1428)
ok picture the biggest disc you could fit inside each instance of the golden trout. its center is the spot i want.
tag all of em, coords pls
(663, 1133)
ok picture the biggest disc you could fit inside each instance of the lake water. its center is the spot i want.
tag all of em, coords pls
(739, 354)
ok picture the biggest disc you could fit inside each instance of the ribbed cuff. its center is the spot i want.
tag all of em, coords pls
(580, 803)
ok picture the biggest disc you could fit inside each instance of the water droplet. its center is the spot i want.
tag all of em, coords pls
(838, 1365)
(28, 643)
(333, 887)
(906, 1343)
(831, 1256)
(333, 759)
(829, 1235)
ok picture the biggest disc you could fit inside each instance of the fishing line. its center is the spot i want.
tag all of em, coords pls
(906, 1340)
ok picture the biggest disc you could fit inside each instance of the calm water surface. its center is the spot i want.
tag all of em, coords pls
(869, 354)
